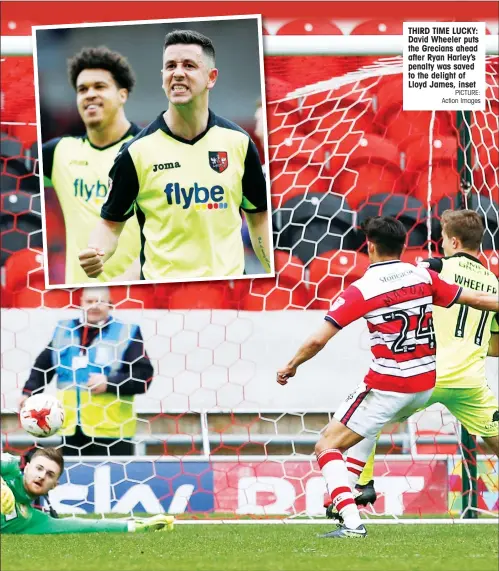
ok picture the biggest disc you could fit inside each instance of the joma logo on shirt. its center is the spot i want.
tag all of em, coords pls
(204, 198)
(87, 192)
(165, 166)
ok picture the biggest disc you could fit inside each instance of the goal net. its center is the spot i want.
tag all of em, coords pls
(216, 436)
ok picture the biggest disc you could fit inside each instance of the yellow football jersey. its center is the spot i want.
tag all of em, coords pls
(463, 333)
(187, 195)
(79, 172)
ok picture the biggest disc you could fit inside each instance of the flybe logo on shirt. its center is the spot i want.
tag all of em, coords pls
(200, 197)
(89, 191)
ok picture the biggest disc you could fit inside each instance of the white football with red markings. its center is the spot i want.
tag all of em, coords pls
(41, 415)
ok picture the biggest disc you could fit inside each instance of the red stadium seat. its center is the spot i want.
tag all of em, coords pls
(389, 92)
(444, 182)
(54, 298)
(406, 126)
(368, 179)
(292, 144)
(444, 151)
(333, 115)
(16, 27)
(338, 120)
(376, 28)
(280, 115)
(338, 124)
(296, 165)
(133, 297)
(375, 149)
(287, 291)
(344, 97)
(491, 260)
(373, 167)
(331, 272)
(5, 297)
(307, 70)
(444, 176)
(309, 26)
(17, 72)
(26, 133)
(402, 127)
(280, 111)
(379, 28)
(196, 295)
(23, 266)
(277, 89)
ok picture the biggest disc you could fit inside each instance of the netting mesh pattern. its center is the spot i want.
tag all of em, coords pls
(213, 432)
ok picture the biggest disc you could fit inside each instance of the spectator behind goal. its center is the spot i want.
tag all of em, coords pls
(101, 364)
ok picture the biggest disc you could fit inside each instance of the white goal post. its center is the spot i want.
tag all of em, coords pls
(307, 491)
(291, 45)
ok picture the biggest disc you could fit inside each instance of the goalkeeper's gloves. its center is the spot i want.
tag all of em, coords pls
(158, 522)
(8, 500)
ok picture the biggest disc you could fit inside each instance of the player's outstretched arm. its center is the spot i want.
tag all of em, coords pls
(479, 300)
(102, 244)
(258, 226)
(42, 524)
(309, 349)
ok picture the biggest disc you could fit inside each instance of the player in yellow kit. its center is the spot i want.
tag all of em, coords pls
(465, 337)
(78, 167)
(187, 176)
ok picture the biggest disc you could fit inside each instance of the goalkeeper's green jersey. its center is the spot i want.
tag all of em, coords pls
(463, 333)
(20, 516)
(25, 519)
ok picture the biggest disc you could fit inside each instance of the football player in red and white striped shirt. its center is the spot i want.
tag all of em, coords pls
(396, 299)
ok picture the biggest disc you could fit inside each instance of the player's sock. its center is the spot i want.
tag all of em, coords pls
(354, 467)
(368, 471)
(360, 461)
(335, 473)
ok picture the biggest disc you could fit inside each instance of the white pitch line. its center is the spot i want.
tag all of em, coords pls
(490, 521)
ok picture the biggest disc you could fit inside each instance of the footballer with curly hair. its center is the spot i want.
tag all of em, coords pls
(77, 167)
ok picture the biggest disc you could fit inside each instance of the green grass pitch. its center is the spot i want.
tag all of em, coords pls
(259, 548)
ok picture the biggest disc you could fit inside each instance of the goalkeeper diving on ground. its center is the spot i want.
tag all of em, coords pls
(41, 474)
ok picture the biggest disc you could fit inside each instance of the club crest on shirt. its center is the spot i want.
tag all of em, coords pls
(338, 303)
(219, 160)
(23, 510)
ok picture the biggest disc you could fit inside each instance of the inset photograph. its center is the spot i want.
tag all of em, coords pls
(152, 138)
